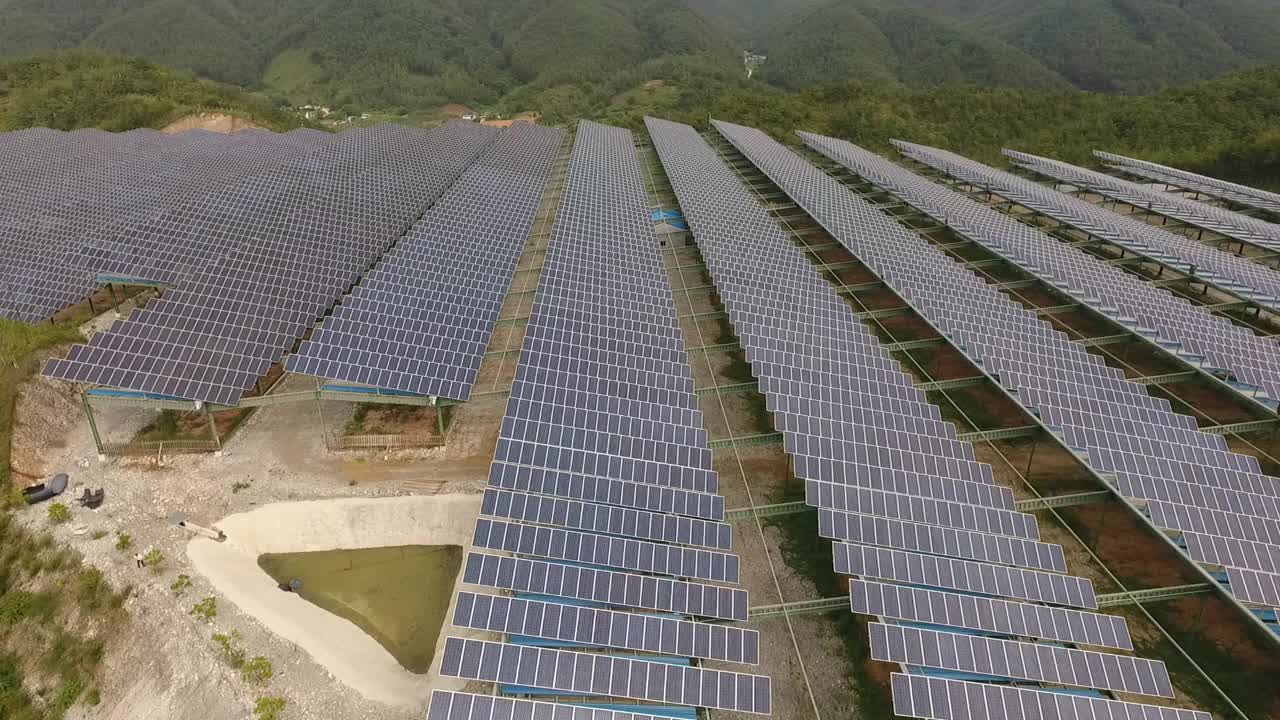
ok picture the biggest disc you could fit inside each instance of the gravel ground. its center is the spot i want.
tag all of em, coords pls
(164, 664)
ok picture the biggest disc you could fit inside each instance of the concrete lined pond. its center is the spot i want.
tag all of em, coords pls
(384, 591)
(377, 580)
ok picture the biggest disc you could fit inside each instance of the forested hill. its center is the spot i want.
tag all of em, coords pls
(77, 90)
(410, 54)
(420, 54)
(1229, 127)
(1121, 46)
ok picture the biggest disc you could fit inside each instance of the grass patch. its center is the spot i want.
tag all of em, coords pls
(19, 605)
(172, 425)
(59, 513)
(739, 370)
(1254, 698)
(270, 708)
(19, 346)
(47, 597)
(810, 556)
(964, 404)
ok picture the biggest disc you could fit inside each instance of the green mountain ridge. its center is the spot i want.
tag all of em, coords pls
(1120, 46)
(373, 53)
(877, 42)
(421, 54)
(67, 91)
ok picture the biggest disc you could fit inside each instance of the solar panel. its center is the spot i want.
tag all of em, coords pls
(1038, 662)
(601, 464)
(1214, 522)
(1123, 432)
(1232, 552)
(962, 575)
(1187, 329)
(65, 193)
(924, 510)
(289, 243)
(1241, 194)
(934, 698)
(1231, 274)
(828, 474)
(584, 626)
(1254, 587)
(900, 602)
(541, 481)
(1233, 225)
(427, 310)
(656, 527)
(603, 550)
(579, 673)
(447, 705)
(607, 587)
(934, 540)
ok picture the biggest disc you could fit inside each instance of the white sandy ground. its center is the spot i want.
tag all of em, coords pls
(354, 658)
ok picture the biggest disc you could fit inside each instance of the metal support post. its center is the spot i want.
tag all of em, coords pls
(324, 431)
(93, 425)
(213, 430)
(1032, 456)
(442, 419)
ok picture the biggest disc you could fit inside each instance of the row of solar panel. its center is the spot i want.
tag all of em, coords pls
(1235, 350)
(323, 243)
(445, 280)
(601, 486)
(881, 244)
(1220, 501)
(69, 196)
(696, 193)
(1189, 181)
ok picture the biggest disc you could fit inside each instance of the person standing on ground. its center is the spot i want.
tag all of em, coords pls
(138, 558)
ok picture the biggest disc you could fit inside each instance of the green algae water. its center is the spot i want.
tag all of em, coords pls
(398, 595)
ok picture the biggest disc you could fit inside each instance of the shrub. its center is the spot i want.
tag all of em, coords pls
(180, 585)
(231, 653)
(13, 498)
(70, 653)
(117, 600)
(59, 513)
(270, 708)
(92, 589)
(206, 609)
(93, 697)
(257, 670)
(16, 606)
(153, 559)
(123, 541)
(68, 694)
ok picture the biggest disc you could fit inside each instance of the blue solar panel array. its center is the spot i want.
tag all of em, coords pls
(1225, 271)
(602, 521)
(996, 554)
(63, 195)
(1192, 182)
(312, 227)
(1188, 481)
(420, 321)
(1195, 333)
(1224, 222)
